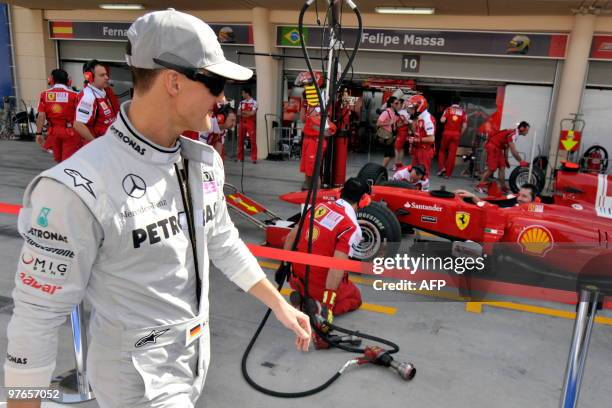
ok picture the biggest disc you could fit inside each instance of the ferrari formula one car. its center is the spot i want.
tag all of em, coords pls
(565, 231)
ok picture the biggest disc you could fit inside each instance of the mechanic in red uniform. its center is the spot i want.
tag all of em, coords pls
(497, 147)
(454, 119)
(94, 112)
(225, 118)
(312, 123)
(247, 111)
(414, 175)
(335, 233)
(56, 106)
(424, 129)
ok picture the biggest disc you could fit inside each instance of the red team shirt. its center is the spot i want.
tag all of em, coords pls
(425, 126)
(95, 110)
(58, 103)
(455, 118)
(335, 229)
(503, 138)
(248, 105)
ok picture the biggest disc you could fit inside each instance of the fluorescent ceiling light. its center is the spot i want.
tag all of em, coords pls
(405, 10)
(121, 6)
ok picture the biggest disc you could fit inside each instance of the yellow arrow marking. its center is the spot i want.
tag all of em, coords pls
(238, 200)
(569, 144)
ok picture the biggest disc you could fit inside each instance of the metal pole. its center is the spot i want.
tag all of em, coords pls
(583, 327)
(533, 145)
(76, 380)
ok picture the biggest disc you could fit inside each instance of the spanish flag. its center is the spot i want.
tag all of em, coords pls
(61, 29)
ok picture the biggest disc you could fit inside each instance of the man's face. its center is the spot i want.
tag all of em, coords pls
(415, 177)
(411, 110)
(396, 105)
(524, 196)
(100, 77)
(244, 95)
(524, 130)
(194, 104)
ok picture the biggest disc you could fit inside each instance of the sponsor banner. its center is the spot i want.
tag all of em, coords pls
(601, 47)
(235, 34)
(506, 44)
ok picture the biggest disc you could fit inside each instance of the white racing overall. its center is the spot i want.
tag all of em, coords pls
(109, 224)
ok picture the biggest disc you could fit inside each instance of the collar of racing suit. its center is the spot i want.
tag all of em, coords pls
(350, 211)
(138, 145)
(62, 86)
(99, 93)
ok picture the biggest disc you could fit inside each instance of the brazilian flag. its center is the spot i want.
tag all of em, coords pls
(290, 36)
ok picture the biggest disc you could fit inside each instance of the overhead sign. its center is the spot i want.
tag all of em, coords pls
(235, 34)
(601, 47)
(570, 140)
(506, 44)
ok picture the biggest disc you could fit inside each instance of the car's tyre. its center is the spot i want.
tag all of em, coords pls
(520, 176)
(381, 232)
(399, 184)
(373, 173)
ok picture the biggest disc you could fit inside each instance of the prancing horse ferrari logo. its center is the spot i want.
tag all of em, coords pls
(462, 219)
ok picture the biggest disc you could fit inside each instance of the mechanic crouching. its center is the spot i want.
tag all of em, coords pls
(335, 233)
(414, 175)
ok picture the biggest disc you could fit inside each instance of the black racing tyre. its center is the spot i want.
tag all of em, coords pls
(381, 233)
(399, 184)
(520, 176)
(373, 173)
(541, 162)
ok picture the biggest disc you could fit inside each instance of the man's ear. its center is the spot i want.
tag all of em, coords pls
(172, 82)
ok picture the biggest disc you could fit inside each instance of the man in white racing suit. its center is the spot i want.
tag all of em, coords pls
(131, 222)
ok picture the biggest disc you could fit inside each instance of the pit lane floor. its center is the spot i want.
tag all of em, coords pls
(499, 358)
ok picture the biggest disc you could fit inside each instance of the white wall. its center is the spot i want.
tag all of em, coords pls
(529, 103)
(597, 110)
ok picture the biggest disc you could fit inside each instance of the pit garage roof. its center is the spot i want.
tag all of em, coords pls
(463, 7)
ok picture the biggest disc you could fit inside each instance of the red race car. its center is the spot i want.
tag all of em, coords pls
(565, 231)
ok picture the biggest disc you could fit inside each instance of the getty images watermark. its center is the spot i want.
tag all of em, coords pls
(399, 265)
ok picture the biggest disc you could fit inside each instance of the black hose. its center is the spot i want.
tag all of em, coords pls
(311, 199)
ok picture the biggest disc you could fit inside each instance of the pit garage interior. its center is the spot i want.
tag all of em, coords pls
(506, 351)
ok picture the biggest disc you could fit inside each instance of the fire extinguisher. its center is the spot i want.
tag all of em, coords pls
(595, 159)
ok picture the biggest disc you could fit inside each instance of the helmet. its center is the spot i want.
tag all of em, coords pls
(519, 45)
(418, 102)
(304, 78)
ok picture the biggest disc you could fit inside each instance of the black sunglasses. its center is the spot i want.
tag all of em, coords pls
(214, 83)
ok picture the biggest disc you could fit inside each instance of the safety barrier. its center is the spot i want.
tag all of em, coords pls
(588, 301)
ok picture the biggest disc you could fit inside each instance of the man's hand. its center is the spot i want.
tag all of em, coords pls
(524, 163)
(507, 163)
(295, 321)
(40, 140)
(291, 318)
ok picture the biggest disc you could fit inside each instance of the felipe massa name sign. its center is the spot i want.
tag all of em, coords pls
(235, 34)
(506, 44)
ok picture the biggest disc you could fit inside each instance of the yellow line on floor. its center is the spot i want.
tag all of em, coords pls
(473, 307)
(370, 307)
(476, 307)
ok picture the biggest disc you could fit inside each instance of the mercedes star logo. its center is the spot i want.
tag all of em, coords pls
(134, 186)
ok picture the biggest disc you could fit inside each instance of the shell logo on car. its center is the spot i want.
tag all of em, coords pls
(536, 240)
